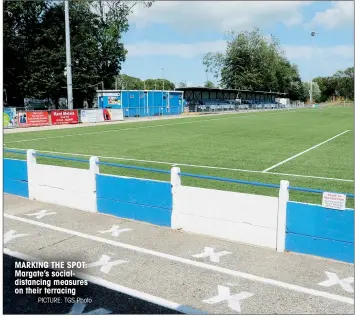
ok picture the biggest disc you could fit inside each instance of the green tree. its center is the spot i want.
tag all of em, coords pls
(316, 92)
(158, 84)
(34, 47)
(327, 86)
(209, 84)
(21, 21)
(255, 63)
(345, 83)
(129, 82)
(182, 85)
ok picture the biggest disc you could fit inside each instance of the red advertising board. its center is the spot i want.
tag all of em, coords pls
(33, 118)
(60, 117)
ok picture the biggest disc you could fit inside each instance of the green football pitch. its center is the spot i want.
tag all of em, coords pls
(312, 148)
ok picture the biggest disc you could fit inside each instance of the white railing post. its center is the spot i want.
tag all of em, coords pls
(175, 181)
(31, 171)
(281, 215)
(94, 169)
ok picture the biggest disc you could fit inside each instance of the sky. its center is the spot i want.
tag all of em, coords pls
(175, 35)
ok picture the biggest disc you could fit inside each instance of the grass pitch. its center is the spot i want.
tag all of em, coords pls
(238, 146)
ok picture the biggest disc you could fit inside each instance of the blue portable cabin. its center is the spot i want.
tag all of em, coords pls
(141, 103)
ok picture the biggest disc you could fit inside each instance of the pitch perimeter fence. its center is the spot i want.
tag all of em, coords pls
(268, 221)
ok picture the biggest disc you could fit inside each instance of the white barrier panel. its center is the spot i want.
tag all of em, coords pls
(91, 115)
(101, 115)
(70, 187)
(240, 217)
(116, 114)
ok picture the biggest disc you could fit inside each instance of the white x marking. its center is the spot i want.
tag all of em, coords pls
(333, 279)
(105, 263)
(78, 309)
(41, 214)
(115, 231)
(232, 300)
(209, 252)
(10, 235)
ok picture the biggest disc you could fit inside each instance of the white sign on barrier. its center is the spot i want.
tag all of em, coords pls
(100, 115)
(334, 201)
(116, 114)
(91, 115)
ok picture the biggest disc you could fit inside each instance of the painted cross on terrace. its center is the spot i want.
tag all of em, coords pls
(10, 235)
(209, 252)
(41, 214)
(105, 263)
(333, 279)
(115, 231)
(232, 300)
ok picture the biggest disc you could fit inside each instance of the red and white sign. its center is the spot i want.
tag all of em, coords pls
(60, 117)
(33, 118)
(334, 201)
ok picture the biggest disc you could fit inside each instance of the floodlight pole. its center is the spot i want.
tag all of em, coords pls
(162, 70)
(68, 56)
(313, 34)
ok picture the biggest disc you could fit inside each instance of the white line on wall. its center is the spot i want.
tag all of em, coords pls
(122, 289)
(152, 126)
(189, 165)
(303, 152)
(185, 261)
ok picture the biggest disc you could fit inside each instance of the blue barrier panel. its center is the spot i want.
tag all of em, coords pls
(312, 229)
(143, 200)
(15, 177)
(153, 215)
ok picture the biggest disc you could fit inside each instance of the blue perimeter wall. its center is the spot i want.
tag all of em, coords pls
(15, 177)
(312, 229)
(136, 199)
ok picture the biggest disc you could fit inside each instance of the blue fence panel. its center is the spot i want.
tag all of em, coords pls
(143, 200)
(15, 177)
(153, 215)
(312, 229)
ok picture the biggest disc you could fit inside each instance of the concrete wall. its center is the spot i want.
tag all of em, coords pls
(312, 229)
(136, 199)
(233, 216)
(272, 222)
(70, 187)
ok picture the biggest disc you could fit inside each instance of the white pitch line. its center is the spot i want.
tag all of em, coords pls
(152, 126)
(303, 152)
(189, 165)
(185, 261)
(122, 289)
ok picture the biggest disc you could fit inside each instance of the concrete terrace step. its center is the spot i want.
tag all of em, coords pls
(180, 267)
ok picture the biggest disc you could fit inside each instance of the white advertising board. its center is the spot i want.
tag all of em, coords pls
(100, 115)
(91, 115)
(334, 201)
(116, 114)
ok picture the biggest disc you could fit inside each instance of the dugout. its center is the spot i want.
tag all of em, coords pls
(141, 103)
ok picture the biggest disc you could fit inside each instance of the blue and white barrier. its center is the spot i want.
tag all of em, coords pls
(15, 177)
(272, 222)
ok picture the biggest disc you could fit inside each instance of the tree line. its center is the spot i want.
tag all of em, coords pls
(128, 82)
(35, 57)
(34, 47)
(256, 63)
(340, 85)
